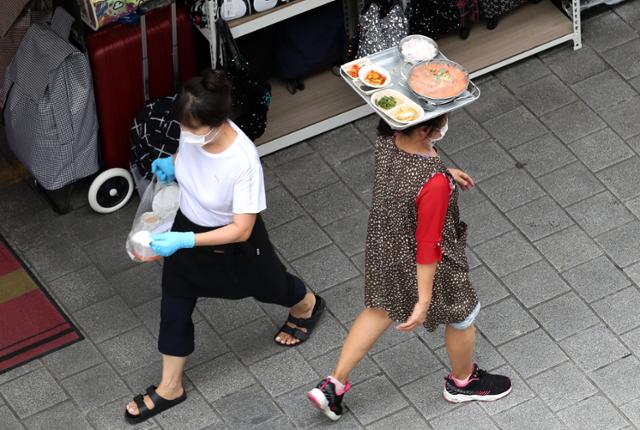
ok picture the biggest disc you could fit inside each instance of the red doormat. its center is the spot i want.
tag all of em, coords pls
(31, 324)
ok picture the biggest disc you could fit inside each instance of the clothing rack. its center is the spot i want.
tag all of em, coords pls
(327, 102)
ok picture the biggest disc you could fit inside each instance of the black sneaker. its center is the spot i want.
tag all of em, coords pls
(483, 386)
(324, 398)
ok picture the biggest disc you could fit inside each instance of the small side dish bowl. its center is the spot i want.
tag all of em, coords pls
(352, 68)
(374, 76)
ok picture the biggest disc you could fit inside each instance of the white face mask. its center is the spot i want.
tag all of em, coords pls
(443, 131)
(198, 139)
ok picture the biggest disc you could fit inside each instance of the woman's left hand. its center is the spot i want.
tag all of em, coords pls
(462, 179)
(418, 316)
(165, 244)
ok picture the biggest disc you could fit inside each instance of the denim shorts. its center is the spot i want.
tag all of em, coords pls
(463, 325)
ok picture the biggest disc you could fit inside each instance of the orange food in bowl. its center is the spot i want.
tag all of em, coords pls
(438, 80)
(375, 78)
(354, 70)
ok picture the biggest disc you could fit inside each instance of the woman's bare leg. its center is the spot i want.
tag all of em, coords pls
(460, 347)
(366, 330)
(170, 387)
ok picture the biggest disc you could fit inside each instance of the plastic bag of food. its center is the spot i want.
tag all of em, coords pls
(155, 215)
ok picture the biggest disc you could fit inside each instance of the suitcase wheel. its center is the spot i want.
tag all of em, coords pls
(110, 190)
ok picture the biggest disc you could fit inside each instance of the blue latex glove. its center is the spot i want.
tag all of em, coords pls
(165, 244)
(164, 169)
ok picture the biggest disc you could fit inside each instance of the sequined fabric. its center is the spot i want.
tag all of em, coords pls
(496, 8)
(380, 33)
(434, 18)
(390, 257)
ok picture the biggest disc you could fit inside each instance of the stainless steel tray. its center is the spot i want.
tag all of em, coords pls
(392, 61)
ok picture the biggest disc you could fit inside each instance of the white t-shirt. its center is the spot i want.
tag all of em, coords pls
(213, 187)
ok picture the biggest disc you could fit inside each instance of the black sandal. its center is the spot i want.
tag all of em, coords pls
(160, 404)
(306, 323)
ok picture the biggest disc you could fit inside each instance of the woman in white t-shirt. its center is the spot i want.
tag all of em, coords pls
(218, 246)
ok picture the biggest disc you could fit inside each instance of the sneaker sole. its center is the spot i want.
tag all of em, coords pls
(320, 402)
(462, 398)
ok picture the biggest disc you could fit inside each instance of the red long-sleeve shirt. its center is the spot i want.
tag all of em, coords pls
(432, 203)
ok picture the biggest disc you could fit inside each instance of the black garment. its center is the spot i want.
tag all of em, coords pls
(234, 271)
(176, 326)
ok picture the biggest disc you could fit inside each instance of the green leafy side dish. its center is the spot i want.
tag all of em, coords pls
(387, 102)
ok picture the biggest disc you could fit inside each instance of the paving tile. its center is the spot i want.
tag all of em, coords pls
(539, 218)
(408, 361)
(95, 387)
(306, 174)
(573, 121)
(485, 222)
(600, 213)
(350, 233)
(80, 289)
(594, 348)
(287, 154)
(111, 417)
(391, 337)
(226, 315)
(271, 180)
(106, 319)
(434, 339)
(19, 371)
(368, 126)
(325, 268)
(511, 189)
(374, 399)
(468, 199)
(280, 423)
(568, 248)
(596, 279)
(532, 353)
(463, 132)
(611, 378)
(507, 254)
(109, 254)
(64, 416)
(574, 66)
(583, 184)
(495, 100)
(486, 355)
(594, 413)
(473, 259)
(468, 416)
(141, 378)
(632, 340)
(300, 410)
(194, 414)
(489, 289)
(616, 180)
(621, 244)
(325, 365)
(331, 203)
(622, 117)
(520, 393)
(606, 31)
(220, 377)
(532, 415)
(535, 284)
(564, 316)
(328, 334)
(622, 58)
(543, 155)
(72, 359)
(515, 127)
(340, 144)
(634, 206)
(284, 372)
(281, 208)
(299, 237)
(51, 227)
(8, 421)
(254, 341)
(635, 83)
(130, 351)
(357, 173)
(207, 345)
(247, 408)
(20, 198)
(604, 89)
(630, 12)
(505, 321)
(619, 310)
(551, 386)
(632, 411)
(54, 260)
(139, 284)
(545, 95)
(521, 73)
(406, 419)
(483, 160)
(601, 149)
(32, 393)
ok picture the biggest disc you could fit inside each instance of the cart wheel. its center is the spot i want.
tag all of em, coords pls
(110, 190)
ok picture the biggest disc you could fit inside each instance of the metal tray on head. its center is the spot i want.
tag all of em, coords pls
(391, 60)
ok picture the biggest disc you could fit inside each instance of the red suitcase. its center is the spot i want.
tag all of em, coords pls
(116, 62)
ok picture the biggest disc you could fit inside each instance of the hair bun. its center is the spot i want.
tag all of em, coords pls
(216, 81)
